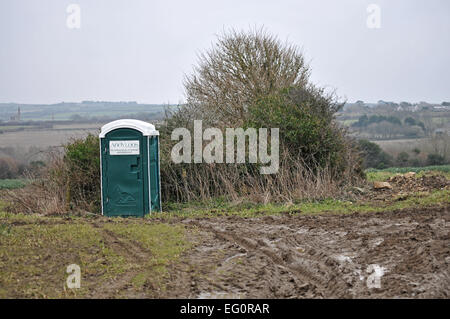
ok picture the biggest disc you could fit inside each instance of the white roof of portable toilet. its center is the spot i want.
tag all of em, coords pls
(145, 128)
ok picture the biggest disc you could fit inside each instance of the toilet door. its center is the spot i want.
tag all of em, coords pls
(123, 173)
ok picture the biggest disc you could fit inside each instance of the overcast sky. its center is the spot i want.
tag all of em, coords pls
(139, 50)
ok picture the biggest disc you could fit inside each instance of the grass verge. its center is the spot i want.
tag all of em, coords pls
(34, 258)
(384, 174)
(214, 209)
(35, 252)
(12, 183)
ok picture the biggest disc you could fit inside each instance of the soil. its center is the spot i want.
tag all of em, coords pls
(394, 254)
(326, 256)
(403, 186)
(420, 184)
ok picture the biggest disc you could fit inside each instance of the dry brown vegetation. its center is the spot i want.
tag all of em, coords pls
(294, 181)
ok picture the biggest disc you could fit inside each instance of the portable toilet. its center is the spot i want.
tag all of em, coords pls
(129, 164)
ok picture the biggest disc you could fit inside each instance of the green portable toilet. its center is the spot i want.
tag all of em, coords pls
(129, 164)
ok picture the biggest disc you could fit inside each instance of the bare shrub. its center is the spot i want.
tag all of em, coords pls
(251, 79)
(240, 67)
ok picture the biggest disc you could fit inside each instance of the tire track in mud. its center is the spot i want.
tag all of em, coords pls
(296, 244)
(321, 256)
(319, 286)
(134, 253)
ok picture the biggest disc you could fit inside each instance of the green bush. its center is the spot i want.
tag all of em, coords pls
(8, 168)
(305, 119)
(435, 159)
(364, 120)
(374, 156)
(415, 162)
(402, 159)
(81, 172)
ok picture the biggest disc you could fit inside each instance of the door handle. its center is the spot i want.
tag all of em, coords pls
(134, 169)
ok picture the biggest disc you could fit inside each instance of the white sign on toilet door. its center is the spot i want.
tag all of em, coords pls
(123, 147)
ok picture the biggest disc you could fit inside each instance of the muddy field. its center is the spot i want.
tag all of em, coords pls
(318, 257)
(338, 251)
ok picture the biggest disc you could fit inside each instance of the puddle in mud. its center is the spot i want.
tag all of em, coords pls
(375, 242)
(234, 256)
(358, 273)
(343, 258)
(341, 233)
(302, 231)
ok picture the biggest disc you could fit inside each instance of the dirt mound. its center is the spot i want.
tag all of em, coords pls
(400, 186)
(409, 182)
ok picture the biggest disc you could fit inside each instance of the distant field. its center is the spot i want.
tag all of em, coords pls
(440, 120)
(383, 174)
(395, 147)
(14, 127)
(44, 138)
(437, 168)
(77, 126)
(12, 183)
(65, 111)
(425, 145)
(348, 122)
